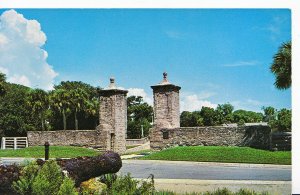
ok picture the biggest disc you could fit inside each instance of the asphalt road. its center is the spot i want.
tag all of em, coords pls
(194, 170)
(205, 171)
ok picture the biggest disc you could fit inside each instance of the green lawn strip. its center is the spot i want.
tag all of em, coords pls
(55, 152)
(129, 147)
(222, 154)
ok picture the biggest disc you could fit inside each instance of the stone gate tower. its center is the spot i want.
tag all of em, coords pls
(113, 118)
(166, 110)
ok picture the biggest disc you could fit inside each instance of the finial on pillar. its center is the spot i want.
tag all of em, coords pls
(165, 80)
(165, 75)
(112, 84)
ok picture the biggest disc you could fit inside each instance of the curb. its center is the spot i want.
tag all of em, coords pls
(248, 165)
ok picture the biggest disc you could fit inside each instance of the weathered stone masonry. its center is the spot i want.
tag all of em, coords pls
(113, 118)
(166, 131)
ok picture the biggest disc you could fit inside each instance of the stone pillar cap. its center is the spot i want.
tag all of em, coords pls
(165, 80)
(112, 84)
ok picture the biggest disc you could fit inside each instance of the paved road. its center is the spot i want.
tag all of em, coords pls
(194, 170)
(205, 171)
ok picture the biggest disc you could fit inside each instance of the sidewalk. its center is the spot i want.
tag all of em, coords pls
(190, 185)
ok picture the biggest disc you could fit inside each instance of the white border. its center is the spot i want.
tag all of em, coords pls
(291, 4)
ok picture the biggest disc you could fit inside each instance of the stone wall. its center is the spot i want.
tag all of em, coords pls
(64, 137)
(133, 142)
(281, 141)
(252, 136)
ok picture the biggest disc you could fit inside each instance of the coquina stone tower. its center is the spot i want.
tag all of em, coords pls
(166, 110)
(113, 118)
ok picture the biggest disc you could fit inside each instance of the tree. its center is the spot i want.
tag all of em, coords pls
(60, 100)
(247, 116)
(191, 119)
(15, 117)
(281, 66)
(224, 113)
(38, 101)
(209, 116)
(269, 113)
(78, 102)
(2, 84)
(139, 115)
(282, 121)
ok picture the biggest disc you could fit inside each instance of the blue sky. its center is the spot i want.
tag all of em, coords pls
(215, 55)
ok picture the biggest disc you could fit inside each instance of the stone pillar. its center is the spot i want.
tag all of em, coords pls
(166, 110)
(113, 118)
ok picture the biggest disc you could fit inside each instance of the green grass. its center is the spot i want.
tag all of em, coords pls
(221, 154)
(55, 152)
(128, 147)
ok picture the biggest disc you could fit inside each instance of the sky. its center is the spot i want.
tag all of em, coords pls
(216, 55)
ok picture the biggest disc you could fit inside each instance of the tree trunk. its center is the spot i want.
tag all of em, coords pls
(64, 119)
(76, 120)
(80, 169)
(42, 120)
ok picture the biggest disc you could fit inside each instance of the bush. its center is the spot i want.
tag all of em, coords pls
(127, 185)
(47, 179)
(67, 187)
(24, 184)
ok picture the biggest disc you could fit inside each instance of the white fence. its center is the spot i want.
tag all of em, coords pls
(14, 142)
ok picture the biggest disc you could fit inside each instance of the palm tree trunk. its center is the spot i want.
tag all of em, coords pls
(64, 119)
(76, 120)
(42, 120)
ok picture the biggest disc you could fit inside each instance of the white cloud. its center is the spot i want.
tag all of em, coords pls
(242, 63)
(194, 102)
(140, 92)
(22, 58)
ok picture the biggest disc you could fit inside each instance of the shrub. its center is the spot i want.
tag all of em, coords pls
(24, 184)
(127, 185)
(48, 180)
(67, 187)
(43, 179)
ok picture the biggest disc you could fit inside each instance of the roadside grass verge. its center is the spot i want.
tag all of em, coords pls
(54, 152)
(221, 154)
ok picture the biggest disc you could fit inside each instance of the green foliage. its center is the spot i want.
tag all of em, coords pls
(67, 187)
(191, 119)
(222, 114)
(75, 106)
(2, 84)
(269, 113)
(247, 116)
(45, 180)
(283, 121)
(127, 185)
(48, 179)
(38, 102)
(221, 154)
(225, 191)
(15, 117)
(209, 115)
(139, 114)
(24, 185)
(281, 66)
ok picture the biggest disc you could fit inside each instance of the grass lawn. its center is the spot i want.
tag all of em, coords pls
(54, 152)
(221, 154)
(129, 147)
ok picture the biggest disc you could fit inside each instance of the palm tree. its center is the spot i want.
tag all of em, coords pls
(78, 100)
(281, 66)
(2, 87)
(38, 100)
(60, 99)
